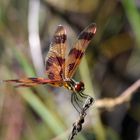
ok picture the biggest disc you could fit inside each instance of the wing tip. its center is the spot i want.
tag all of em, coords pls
(92, 27)
(60, 25)
(88, 32)
(60, 28)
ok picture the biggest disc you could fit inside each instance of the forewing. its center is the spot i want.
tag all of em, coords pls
(77, 52)
(55, 60)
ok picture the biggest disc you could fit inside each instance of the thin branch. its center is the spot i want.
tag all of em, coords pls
(77, 126)
(109, 103)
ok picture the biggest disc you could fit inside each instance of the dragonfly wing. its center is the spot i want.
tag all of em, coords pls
(28, 82)
(55, 60)
(77, 52)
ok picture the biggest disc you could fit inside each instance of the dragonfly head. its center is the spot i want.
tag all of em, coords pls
(79, 86)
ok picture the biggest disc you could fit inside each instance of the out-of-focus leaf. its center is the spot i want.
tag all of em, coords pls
(116, 45)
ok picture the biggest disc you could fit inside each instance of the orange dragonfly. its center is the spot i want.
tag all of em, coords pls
(60, 69)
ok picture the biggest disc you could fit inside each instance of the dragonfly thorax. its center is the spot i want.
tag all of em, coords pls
(74, 86)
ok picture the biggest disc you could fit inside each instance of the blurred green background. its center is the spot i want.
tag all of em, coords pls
(111, 64)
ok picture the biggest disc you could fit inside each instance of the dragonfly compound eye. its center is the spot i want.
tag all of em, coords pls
(79, 86)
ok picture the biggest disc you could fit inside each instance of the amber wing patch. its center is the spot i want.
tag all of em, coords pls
(55, 60)
(77, 52)
(28, 82)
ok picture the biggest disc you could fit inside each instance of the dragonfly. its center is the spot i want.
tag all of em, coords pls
(60, 67)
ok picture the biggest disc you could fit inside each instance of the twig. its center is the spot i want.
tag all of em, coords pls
(103, 103)
(109, 103)
(77, 126)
